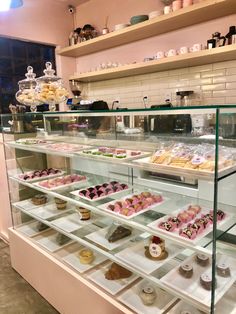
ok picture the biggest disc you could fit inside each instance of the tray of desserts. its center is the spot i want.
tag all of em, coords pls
(133, 205)
(31, 176)
(189, 224)
(147, 256)
(145, 298)
(193, 277)
(61, 182)
(33, 141)
(52, 240)
(66, 147)
(99, 192)
(32, 228)
(112, 277)
(119, 154)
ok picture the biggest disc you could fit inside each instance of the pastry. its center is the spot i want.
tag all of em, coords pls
(118, 233)
(186, 270)
(223, 270)
(84, 213)
(39, 199)
(202, 259)
(41, 226)
(188, 233)
(156, 249)
(206, 281)
(116, 272)
(86, 256)
(148, 295)
(167, 226)
(61, 204)
(62, 239)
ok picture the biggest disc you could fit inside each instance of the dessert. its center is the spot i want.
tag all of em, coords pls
(39, 199)
(223, 270)
(186, 270)
(202, 259)
(148, 295)
(84, 213)
(206, 281)
(188, 233)
(86, 256)
(41, 226)
(156, 249)
(37, 174)
(61, 204)
(64, 147)
(116, 233)
(61, 181)
(167, 226)
(62, 239)
(116, 272)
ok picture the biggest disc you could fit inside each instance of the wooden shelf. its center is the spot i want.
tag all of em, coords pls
(197, 13)
(181, 61)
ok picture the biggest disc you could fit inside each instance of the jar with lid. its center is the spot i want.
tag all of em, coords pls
(50, 89)
(27, 90)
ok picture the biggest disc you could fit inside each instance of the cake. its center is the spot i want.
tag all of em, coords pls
(223, 270)
(116, 272)
(39, 199)
(61, 204)
(206, 281)
(62, 239)
(86, 256)
(41, 226)
(188, 233)
(148, 295)
(186, 270)
(116, 233)
(202, 259)
(156, 249)
(84, 213)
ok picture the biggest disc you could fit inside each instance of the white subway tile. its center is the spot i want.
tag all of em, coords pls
(177, 84)
(230, 100)
(214, 101)
(231, 71)
(190, 76)
(224, 93)
(225, 64)
(215, 73)
(231, 85)
(213, 87)
(201, 68)
(206, 81)
(229, 78)
(179, 71)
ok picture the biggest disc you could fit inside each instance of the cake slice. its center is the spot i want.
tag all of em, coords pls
(118, 233)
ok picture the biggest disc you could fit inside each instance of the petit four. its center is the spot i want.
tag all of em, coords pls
(223, 270)
(206, 281)
(156, 249)
(61, 181)
(116, 272)
(86, 256)
(167, 225)
(61, 204)
(202, 259)
(148, 295)
(188, 233)
(37, 174)
(186, 270)
(39, 199)
(84, 213)
(62, 239)
(116, 233)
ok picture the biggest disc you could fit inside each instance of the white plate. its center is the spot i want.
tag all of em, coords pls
(68, 148)
(99, 238)
(175, 233)
(60, 186)
(26, 204)
(135, 256)
(132, 299)
(50, 242)
(73, 260)
(191, 286)
(76, 193)
(104, 206)
(182, 306)
(112, 286)
(72, 222)
(30, 229)
(39, 178)
(47, 211)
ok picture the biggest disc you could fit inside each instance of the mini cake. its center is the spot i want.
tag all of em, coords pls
(188, 233)
(223, 270)
(156, 249)
(116, 272)
(175, 221)
(39, 199)
(186, 270)
(202, 259)
(86, 256)
(61, 204)
(62, 239)
(116, 233)
(148, 295)
(166, 225)
(206, 281)
(84, 213)
(41, 226)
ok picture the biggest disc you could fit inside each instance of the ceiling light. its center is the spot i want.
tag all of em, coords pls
(5, 5)
(16, 4)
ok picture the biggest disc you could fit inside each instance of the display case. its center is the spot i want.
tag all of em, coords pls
(137, 207)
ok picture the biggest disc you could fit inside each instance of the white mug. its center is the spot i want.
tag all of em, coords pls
(183, 50)
(196, 47)
(160, 55)
(171, 53)
(167, 9)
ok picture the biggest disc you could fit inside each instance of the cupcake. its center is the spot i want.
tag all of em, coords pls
(86, 256)
(83, 212)
(61, 204)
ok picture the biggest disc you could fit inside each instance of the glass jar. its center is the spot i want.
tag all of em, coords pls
(50, 89)
(27, 90)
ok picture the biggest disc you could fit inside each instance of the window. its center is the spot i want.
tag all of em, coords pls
(15, 56)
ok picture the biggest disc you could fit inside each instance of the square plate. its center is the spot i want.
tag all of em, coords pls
(18, 176)
(30, 229)
(47, 211)
(73, 260)
(132, 299)
(65, 147)
(50, 243)
(111, 286)
(60, 186)
(99, 238)
(135, 256)
(26, 204)
(72, 222)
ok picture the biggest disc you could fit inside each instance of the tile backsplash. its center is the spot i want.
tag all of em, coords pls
(212, 84)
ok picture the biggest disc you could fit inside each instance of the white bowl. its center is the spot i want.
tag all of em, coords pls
(120, 26)
(153, 14)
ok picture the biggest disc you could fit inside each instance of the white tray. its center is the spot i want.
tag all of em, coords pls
(76, 193)
(27, 204)
(104, 206)
(99, 238)
(175, 234)
(73, 147)
(39, 178)
(191, 286)
(112, 286)
(72, 222)
(73, 260)
(132, 299)
(48, 211)
(50, 243)
(29, 229)
(135, 256)
(60, 186)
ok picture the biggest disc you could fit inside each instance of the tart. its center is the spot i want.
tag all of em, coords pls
(86, 256)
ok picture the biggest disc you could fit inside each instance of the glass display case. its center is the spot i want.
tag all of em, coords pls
(141, 204)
